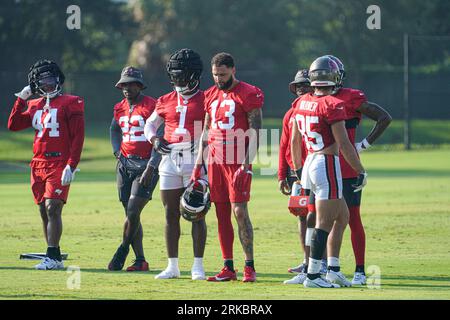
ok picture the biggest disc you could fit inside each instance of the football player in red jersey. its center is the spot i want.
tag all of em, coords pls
(137, 166)
(233, 118)
(182, 113)
(356, 105)
(286, 175)
(59, 123)
(320, 122)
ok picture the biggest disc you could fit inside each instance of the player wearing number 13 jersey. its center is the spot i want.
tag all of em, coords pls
(59, 124)
(233, 118)
(320, 118)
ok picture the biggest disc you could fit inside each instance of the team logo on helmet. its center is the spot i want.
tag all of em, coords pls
(45, 78)
(195, 202)
(341, 69)
(324, 72)
(184, 70)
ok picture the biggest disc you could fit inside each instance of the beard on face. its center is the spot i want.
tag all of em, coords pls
(226, 85)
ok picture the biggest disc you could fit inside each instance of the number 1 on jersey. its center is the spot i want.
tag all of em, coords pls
(181, 129)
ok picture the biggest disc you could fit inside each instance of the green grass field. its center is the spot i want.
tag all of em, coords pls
(406, 212)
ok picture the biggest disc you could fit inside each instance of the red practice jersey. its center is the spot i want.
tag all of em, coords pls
(183, 118)
(314, 116)
(352, 100)
(132, 123)
(284, 156)
(59, 136)
(229, 124)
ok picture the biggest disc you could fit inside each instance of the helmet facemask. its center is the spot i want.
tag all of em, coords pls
(184, 82)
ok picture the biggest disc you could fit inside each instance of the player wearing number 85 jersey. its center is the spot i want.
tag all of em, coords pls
(320, 120)
(59, 123)
(137, 173)
(182, 113)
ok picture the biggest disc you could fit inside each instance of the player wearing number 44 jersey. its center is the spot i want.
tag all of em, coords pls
(320, 119)
(182, 113)
(59, 123)
(137, 173)
(233, 118)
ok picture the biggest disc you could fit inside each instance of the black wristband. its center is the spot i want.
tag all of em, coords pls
(298, 173)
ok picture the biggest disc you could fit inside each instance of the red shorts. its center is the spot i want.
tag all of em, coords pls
(46, 184)
(221, 184)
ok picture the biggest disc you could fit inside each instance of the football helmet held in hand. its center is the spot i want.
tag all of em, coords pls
(195, 202)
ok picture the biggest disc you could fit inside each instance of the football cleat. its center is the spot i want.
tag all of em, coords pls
(319, 283)
(249, 274)
(118, 259)
(298, 269)
(168, 274)
(138, 265)
(49, 264)
(338, 278)
(323, 267)
(359, 279)
(298, 279)
(198, 273)
(224, 275)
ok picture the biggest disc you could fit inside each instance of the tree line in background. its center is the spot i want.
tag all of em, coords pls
(269, 39)
(276, 36)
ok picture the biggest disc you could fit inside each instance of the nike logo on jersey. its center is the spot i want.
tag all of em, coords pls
(58, 191)
(258, 95)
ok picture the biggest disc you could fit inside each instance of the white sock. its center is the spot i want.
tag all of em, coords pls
(198, 263)
(173, 263)
(308, 236)
(333, 262)
(314, 266)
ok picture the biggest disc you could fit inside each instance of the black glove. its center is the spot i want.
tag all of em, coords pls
(161, 146)
(298, 174)
(116, 154)
(361, 181)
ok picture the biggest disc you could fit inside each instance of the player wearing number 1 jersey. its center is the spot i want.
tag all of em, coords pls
(59, 123)
(182, 112)
(137, 173)
(320, 120)
(233, 118)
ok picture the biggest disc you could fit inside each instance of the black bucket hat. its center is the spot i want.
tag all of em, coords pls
(131, 74)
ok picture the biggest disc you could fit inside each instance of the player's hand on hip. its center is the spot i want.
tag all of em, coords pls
(242, 177)
(25, 93)
(68, 175)
(147, 176)
(161, 145)
(283, 185)
(362, 146)
(361, 181)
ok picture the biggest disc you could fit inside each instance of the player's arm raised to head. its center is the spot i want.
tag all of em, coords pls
(20, 118)
(254, 118)
(296, 146)
(378, 114)
(345, 146)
